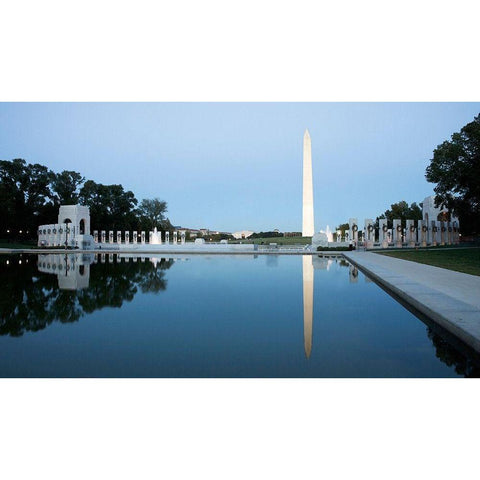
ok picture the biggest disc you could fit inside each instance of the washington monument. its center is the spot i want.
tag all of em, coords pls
(307, 220)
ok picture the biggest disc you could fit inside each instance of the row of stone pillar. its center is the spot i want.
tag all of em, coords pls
(137, 237)
(56, 235)
(423, 233)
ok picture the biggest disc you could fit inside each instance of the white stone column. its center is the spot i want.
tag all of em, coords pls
(433, 233)
(167, 237)
(95, 236)
(411, 233)
(443, 230)
(127, 237)
(110, 236)
(135, 239)
(449, 233)
(382, 234)
(175, 237)
(182, 236)
(422, 228)
(119, 236)
(369, 232)
(103, 236)
(397, 233)
(455, 232)
(353, 230)
(142, 238)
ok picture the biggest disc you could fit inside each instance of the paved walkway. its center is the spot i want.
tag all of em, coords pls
(450, 298)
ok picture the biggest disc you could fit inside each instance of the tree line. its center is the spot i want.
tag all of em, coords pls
(30, 195)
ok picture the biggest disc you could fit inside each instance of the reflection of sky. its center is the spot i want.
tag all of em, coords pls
(231, 316)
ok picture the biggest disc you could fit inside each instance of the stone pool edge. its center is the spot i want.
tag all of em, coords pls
(457, 317)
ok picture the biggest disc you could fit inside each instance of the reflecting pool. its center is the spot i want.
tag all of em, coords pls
(103, 315)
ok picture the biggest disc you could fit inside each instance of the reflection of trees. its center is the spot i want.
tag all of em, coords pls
(30, 300)
(452, 357)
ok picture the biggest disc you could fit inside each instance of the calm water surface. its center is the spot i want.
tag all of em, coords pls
(210, 316)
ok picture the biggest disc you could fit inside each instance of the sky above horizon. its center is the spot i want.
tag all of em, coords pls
(238, 166)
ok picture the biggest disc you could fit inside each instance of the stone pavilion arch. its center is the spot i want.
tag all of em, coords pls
(78, 216)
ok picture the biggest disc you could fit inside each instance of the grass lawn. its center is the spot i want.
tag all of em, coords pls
(466, 260)
(5, 244)
(279, 240)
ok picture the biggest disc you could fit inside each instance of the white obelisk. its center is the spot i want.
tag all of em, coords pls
(308, 228)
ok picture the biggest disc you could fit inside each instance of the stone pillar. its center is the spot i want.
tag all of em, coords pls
(411, 233)
(382, 232)
(423, 229)
(119, 236)
(150, 237)
(102, 236)
(339, 236)
(127, 237)
(135, 240)
(95, 236)
(449, 233)
(397, 233)
(110, 236)
(182, 236)
(167, 237)
(443, 230)
(369, 233)
(352, 230)
(175, 235)
(433, 233)
(455, 232)
(142, 237)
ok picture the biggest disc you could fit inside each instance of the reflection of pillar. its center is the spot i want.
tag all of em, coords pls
(353, 274)
(307, 303)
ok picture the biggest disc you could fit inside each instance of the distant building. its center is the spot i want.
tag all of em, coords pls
(242, 234)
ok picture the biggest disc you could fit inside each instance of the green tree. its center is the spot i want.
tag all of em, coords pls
(26, 196)
(455, 168)
(401, 211)
(65, 186)
(153, 212)
(111, 207)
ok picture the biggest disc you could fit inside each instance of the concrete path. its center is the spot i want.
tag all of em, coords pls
(452, 299)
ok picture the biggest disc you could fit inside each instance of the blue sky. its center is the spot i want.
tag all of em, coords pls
(235, 166)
